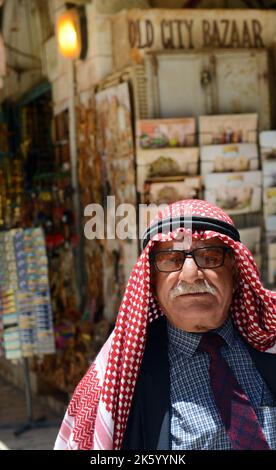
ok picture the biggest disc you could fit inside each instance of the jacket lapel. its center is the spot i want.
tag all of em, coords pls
(156, 401)
(148, 424)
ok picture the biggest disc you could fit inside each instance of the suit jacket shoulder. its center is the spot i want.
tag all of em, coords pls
(266, 365)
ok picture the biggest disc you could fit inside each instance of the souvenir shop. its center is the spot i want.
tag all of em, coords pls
(41, 314)
(147, 131)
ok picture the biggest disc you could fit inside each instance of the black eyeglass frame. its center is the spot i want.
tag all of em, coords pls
(190, 254)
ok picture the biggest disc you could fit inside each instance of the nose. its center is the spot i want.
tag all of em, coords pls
(190, 272)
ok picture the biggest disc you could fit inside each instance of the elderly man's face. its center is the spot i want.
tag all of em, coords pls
(195, 312)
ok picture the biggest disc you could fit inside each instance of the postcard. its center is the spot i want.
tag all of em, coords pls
(236, 193)
(228, 129)
(269, 173)
(268, 145)
(270, 223)
(231, 157)
(272, 250)
(161, 133)
(251, 238)
(269, 201)
(171, 191)
(154, 164)
(272, 271)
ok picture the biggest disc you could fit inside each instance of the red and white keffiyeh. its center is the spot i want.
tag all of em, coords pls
(97, 414)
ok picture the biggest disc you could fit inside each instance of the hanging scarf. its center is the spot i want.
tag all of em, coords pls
(97, 414)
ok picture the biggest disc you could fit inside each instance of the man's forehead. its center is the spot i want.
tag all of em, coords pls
(183, 245)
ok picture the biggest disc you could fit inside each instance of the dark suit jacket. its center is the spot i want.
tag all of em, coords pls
(148, 425)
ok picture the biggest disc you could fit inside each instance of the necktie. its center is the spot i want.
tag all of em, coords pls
(237, 414)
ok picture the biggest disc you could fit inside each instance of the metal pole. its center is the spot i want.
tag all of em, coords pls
(75, 182)
(30, 423)
(28, 392)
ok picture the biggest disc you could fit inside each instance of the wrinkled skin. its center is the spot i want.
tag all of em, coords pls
(195, 312)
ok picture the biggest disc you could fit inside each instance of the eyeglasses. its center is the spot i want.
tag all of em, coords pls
(208, 257)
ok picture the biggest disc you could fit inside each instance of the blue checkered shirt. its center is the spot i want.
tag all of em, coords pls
(195, 422)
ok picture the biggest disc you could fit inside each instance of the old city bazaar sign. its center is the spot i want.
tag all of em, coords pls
(138, 31)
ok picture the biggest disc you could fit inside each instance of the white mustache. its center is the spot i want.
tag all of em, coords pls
(201, 287)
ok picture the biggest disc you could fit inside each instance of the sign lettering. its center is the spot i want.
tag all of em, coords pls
(180, 34)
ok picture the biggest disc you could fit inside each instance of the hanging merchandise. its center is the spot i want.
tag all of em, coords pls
(115, 142)
(41, 177)
(90, 179)
(36, 142)
(11, 191)
(25, 301)
(116, 148)
(78, 333)
(49, 203)
(37, 191)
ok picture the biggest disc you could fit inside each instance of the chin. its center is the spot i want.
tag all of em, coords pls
(191, 325)
(198, 328)
(201, 328)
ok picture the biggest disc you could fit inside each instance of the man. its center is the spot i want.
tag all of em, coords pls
(191, 361)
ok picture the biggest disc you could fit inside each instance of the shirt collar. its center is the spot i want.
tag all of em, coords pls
(186, 343)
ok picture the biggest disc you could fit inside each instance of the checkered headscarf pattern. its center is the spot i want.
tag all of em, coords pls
(97, 414)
